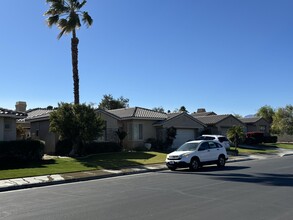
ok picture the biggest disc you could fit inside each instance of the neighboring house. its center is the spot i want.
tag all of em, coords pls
(256, 124)
(142, 124)
(8, 123)
(219, 124)
(187, 128)
(38, 123)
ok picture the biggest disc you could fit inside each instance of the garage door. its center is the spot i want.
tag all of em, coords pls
(182, 136)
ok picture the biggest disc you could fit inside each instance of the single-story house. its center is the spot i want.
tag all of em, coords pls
(220, 124)
(256, 124)
(142, 124)
(38, 124)
(8, 123)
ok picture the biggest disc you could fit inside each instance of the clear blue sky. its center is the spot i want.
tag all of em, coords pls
(228, 56)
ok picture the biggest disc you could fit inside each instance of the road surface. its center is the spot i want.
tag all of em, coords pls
(257, 189)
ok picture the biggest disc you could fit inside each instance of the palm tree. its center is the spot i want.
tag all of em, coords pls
(236, 135)
(66, 15)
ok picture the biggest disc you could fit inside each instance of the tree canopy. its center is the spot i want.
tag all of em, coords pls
(159, 109)
(283, 121)
(78, 123)
(267, 112)
(236, 135)
(109, 103)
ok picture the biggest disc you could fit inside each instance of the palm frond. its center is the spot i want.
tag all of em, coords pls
(87, 19)
(52, 20)
(61, 33)
(80, 5)
(74, 21)
(62, 23)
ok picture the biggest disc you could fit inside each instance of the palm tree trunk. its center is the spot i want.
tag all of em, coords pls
(74, 54)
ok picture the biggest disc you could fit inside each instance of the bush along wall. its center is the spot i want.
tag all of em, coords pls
(27, 150)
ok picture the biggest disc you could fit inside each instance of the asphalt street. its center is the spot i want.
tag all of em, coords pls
(255, 189)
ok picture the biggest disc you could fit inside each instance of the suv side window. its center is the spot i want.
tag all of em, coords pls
(209, 138)
(213, 145)
(204, 146)
(219, 145)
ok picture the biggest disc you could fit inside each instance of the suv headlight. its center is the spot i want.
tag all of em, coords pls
(185, 155)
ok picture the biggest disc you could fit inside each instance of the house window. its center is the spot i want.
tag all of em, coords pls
(135, 132)
(262, 128)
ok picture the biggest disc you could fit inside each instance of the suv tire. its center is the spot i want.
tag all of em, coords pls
(194, 164)
(221, 161)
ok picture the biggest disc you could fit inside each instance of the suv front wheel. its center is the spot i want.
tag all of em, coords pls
(221, 161)
(194, 164)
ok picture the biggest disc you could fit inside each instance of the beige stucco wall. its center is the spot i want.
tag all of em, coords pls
(148, 131)
(7, 134)
(257, 126)
(183, 121)
(40, 131)
(112, 125)
(227, 123)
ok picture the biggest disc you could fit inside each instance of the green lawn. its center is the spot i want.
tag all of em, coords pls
(285, 146)
(65, 165)
(264, 148)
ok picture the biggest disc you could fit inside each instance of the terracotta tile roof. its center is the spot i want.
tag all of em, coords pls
(10, 113)
(212, 119)
(36, 114)
(250, 120)
(138, 112)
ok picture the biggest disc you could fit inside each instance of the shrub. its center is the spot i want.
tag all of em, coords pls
(270, 139)
(254, 137)
(27, 150)
(102, 147)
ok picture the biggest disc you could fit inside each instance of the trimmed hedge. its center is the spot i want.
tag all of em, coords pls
(63, 147)
(27, 150)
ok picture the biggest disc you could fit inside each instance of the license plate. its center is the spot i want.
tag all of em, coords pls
(171, 162)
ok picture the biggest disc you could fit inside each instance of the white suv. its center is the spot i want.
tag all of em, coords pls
(220, 138)
(194, 154)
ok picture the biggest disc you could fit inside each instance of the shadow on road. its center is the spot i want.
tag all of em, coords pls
(269, 179)
(207, 169)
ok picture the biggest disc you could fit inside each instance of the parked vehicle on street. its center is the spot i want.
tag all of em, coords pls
(220, 138)
(194, 154)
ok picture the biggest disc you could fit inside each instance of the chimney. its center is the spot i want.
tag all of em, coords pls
(20, 106)
(201, 110)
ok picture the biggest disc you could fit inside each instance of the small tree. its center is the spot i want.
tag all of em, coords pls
(121, 135)
(159, 109)
(108, 102)
(77, 123)
(20, 131)
(236, 135)
(171, 135)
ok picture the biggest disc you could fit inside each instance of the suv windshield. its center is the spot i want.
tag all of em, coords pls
(188, 147)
